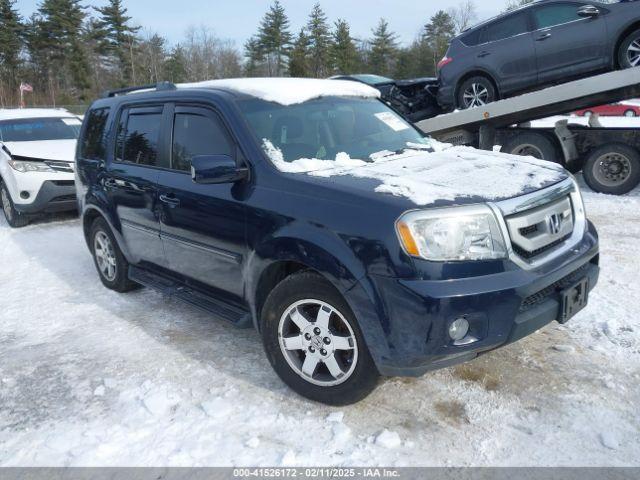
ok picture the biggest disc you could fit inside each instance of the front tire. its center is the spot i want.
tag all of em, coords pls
(476, 92)
(613, 169)
(14, 218)
(629, 51)
(112, 267)
(314, 343)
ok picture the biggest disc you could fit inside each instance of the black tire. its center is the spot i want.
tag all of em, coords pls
(613, 169)
(297, 288)
(14, 218)
(624, 59)
(483, 84)
(120, 280)
(533, 144)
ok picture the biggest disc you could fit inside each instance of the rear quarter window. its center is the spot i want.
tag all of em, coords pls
(509, 27)
(93, 145)
(473, 38)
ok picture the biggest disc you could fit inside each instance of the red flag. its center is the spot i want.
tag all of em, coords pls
(25, 87)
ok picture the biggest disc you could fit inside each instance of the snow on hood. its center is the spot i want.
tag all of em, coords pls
(64, 150)
(426, 177)
(290, 91)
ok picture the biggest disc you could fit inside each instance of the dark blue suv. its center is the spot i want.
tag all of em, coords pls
(309, 210)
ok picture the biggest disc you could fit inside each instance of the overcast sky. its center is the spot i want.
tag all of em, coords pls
(238, 19)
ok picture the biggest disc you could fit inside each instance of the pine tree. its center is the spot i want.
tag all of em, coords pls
(118, 37)
(320, 42)
(513, 4)
(384, 47)
(298, 60)
(274, 39)
(344, 53)
(11, 31)
(254, 56)
(438, 34)
(175, 66)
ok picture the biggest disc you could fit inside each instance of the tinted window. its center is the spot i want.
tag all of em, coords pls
(139, 140)
(508, 27)
(197, 135)
(93, 142)
(474, 38)
(558, 14)
(39, 129)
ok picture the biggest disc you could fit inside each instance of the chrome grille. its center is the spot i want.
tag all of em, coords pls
(541, 229)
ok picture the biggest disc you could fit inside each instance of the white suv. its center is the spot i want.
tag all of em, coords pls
(37, 149)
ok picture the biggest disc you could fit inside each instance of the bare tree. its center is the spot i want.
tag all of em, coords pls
(463, 15)
(208, 57)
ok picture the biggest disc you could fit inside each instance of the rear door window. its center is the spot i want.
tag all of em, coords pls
(93, 141)
(511, 26)
(557, 14)
(196, 134)
(139, 136)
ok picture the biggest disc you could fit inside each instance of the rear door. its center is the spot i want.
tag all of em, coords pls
(131, 181)
(567, 44)
(509, 52)
(202, 226)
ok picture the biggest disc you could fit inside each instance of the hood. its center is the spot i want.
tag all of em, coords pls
(63, 150)
(458, 175)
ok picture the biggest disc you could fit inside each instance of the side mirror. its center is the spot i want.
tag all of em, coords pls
(588, 11)
(213, 169)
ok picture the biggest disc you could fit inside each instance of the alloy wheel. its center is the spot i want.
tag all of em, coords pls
(105, 256)
(633, 53)
(318, 342)
(612, 169)
(475, 96)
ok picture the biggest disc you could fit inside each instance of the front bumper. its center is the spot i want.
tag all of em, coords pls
(53, 196)
(501, 308)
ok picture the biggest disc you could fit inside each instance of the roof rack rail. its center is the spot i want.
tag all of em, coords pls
(160, 86)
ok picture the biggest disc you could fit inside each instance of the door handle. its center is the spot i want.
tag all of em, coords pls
(170, 200)
(543, 37)
(484, 54)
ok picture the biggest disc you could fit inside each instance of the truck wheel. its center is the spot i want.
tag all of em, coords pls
(14, 218)
(531, 144)
(476, 92)
(112, 267)
(613, 168)
(314, 343)
(629, 52)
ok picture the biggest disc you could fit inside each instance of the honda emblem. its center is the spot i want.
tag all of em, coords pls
(554, 222)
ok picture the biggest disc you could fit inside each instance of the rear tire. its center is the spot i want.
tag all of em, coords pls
(112, 267)
(303, 297)
(613, 169)
(476, 92)
(628, 56)
(533, 144)
(14, 218)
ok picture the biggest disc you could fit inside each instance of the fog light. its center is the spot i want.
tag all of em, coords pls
(24, 195)
(459, 329)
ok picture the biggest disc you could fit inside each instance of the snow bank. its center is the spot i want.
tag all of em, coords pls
(290, 91)
(425, 177)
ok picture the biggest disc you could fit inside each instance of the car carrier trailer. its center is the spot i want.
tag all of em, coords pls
(608, 157)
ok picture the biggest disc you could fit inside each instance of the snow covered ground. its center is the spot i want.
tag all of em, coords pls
(90, 377)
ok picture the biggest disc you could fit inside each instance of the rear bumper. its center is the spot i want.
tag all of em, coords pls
(501, 308)
(53, 196)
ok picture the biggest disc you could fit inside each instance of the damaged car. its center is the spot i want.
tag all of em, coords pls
(37, 149)
(314, 213)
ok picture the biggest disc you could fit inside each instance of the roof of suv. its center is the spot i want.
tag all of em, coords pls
(22, 113)
(285, 91)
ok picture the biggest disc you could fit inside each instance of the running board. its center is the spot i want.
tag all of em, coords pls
(239, 316)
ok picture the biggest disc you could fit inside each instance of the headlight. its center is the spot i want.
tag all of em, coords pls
(449, 234)
(22, 166)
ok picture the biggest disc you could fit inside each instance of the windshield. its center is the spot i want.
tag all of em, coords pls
(39, 129)
(324, 128)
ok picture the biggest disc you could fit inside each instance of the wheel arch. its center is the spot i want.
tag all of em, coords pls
(621, 37)
(90, 214)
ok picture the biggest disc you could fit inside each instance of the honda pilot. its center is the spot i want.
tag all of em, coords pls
(312, 212)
